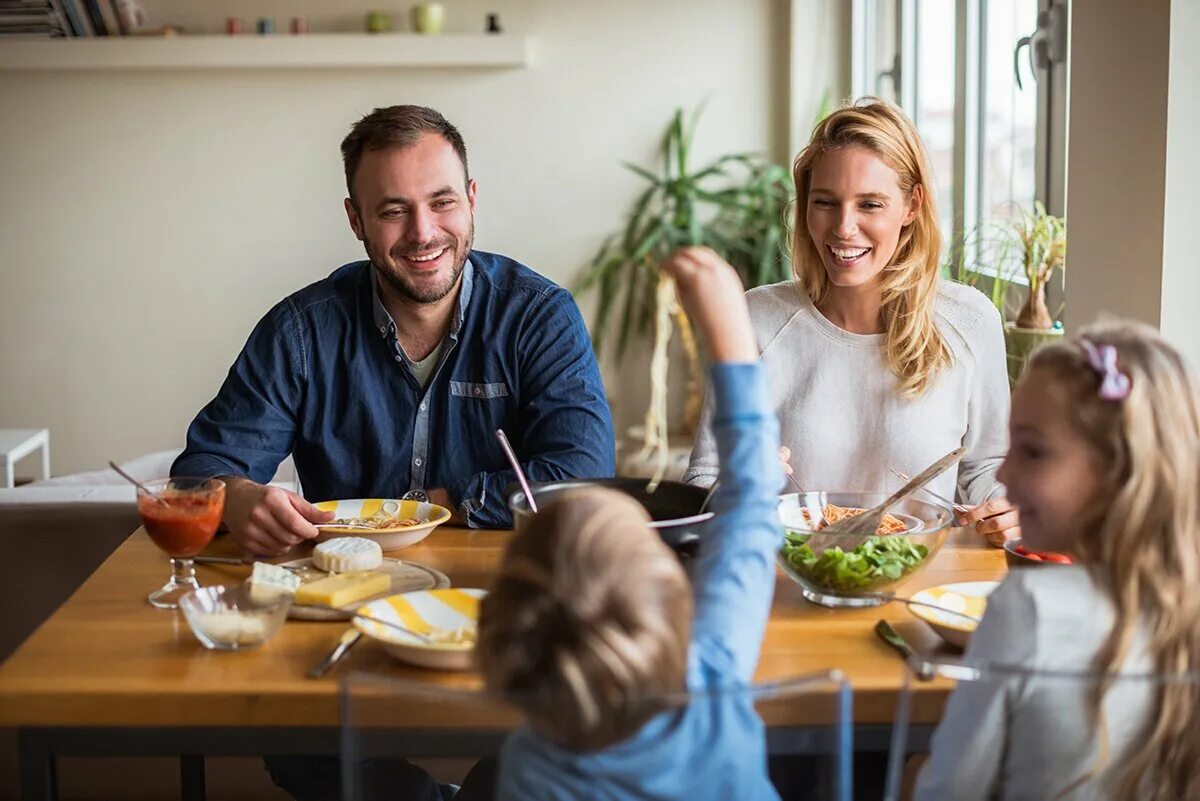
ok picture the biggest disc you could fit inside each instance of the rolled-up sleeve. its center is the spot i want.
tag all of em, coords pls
(564, 427)
(250, 426)
(735, 577)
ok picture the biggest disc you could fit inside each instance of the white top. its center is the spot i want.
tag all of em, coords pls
(1030, 738)
(839, 406)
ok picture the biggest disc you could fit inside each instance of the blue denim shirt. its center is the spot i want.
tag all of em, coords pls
(322, 377)
(716, 746)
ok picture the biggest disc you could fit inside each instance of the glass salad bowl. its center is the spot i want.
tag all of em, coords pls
(853, 570)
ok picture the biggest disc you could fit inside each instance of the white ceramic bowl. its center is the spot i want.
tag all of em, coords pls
(425, 612)
(390, 539)
(947, 603)
(223, 617)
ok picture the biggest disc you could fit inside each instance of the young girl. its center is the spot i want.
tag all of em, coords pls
(874, 362)
(592, 616)
(1104, 464)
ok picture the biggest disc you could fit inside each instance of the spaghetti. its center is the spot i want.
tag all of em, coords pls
(889, 525)
(656, 441)
(379, 520)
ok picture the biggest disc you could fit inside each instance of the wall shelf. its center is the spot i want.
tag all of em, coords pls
(280, 51)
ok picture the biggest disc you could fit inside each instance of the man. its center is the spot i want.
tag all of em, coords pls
(389, 377)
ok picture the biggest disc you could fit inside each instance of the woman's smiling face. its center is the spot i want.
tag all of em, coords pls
(856, 210)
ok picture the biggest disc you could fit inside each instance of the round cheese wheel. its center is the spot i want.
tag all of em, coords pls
(347, 554)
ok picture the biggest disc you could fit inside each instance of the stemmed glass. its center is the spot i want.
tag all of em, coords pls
(181, 515)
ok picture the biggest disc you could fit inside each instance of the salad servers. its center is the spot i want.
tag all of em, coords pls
(851, 532)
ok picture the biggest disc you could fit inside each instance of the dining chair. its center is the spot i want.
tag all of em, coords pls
(407, 715)
(1032, 726)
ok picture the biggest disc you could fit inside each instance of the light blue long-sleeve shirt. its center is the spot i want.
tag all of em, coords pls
(716, 746)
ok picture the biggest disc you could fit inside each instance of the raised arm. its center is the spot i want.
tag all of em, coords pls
(735, 576)
(564, 428)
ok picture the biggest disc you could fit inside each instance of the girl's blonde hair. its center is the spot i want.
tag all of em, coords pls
(913, 346)
(588, 625)
(1146, 542)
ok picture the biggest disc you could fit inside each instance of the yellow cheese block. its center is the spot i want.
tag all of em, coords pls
(343, 589)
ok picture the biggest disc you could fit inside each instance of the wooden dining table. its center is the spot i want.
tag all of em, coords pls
(108, 674)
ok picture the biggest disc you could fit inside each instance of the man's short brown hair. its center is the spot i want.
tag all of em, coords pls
(589, 622)
(397, 126)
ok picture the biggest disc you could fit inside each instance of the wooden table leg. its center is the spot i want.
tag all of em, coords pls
(39, 777)
(191, 777)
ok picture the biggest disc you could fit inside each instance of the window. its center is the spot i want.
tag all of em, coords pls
(996, 142)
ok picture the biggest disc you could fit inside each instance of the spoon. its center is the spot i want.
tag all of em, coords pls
(137, 484)
(516, 466)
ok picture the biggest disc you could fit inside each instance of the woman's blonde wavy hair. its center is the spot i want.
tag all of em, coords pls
(1146, 539)
(913, 346)
(588, 624)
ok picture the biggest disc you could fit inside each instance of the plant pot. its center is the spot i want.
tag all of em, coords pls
(1019, 343)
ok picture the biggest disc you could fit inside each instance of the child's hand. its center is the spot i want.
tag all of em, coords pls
(712, 295)
(995, 519)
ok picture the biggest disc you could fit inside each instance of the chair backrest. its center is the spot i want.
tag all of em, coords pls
(1017, 731)
(421, 714)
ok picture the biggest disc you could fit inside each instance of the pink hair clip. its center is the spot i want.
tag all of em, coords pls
(1114, 384)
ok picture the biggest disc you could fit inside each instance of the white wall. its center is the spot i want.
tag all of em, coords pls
(1115, 166)
(1132, 166)
(148, 220)
(1181, 264)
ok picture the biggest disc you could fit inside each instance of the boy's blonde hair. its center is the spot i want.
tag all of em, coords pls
(913, 347)
(588, 624)
(1146, 542)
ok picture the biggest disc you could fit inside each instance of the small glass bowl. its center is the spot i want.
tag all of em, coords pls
(223, 617)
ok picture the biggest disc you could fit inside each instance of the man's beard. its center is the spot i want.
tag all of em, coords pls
(422, 294)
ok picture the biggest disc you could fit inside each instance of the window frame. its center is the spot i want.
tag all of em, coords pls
(970, 107)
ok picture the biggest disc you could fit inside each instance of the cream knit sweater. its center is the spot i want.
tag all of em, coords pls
(839, 408)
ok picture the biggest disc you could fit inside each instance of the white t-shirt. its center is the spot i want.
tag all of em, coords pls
(839, 406)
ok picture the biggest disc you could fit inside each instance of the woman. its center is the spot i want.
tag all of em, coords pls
(876, 364)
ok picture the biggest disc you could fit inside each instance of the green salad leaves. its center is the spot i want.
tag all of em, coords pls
(878, 560)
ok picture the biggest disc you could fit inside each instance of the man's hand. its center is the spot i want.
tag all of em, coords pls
(713, 297)
(268, 521)
(995, 519)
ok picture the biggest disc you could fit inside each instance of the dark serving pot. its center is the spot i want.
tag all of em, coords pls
(674, 507)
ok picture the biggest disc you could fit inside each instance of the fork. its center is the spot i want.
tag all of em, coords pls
(958, 507)
(851, 532)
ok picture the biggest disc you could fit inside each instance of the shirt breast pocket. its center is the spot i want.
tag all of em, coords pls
(483, 391)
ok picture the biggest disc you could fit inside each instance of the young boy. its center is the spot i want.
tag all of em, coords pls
(592, 622)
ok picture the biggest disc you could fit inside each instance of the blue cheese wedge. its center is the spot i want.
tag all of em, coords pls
(347, 555)
(270, 583)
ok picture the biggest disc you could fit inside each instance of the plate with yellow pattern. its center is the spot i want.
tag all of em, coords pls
(450, 617)
(391, 522)
(953, 610)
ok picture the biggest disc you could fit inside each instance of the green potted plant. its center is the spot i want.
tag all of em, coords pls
(737, 205)
(1033, 245)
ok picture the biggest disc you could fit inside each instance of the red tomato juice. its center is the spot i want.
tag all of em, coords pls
(185, 525)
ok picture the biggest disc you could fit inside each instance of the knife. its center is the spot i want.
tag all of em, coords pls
(230, 560)
(344, 644)
(925, 669)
